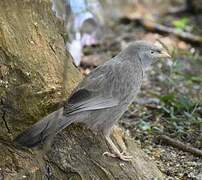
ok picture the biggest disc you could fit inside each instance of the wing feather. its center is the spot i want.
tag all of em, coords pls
(93, 93)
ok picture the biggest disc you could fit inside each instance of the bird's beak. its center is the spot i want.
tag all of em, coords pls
(164, 54)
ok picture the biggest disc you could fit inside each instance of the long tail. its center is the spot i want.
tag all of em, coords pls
(43, 130)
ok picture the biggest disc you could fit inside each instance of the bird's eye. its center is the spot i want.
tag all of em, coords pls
(152, 52)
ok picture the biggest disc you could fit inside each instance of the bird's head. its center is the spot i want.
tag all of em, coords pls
(146, 52)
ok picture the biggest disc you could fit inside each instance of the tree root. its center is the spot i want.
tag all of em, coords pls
(159, 28)
(180, 145)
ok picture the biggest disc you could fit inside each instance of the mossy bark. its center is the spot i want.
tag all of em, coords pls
(35, 76)
(35, 72)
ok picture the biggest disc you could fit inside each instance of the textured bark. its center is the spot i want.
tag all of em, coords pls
(35, 72)
(77, 154)
(35, 76)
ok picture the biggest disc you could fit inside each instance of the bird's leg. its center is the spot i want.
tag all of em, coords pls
(118, 134)
(117, 153)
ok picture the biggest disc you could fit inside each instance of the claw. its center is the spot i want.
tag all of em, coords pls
(117, 154)
(121, 156)
(109, 154)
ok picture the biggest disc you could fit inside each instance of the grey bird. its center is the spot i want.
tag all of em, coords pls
(101, 98)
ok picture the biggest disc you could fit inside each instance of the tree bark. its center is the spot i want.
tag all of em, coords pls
(77, 154)
(35, 76)
(35, 72)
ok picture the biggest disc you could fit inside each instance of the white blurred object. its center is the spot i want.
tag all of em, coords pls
(75, 49)
(83, 24)
(88, 39)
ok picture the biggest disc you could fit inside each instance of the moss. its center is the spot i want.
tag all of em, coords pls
(39, 74)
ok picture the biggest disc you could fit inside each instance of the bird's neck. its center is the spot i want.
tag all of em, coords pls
(141, 64)
(133, 62)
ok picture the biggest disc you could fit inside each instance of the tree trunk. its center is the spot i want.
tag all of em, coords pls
(35, 76)
(35, 72)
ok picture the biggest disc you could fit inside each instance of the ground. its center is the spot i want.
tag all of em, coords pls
(171, 95)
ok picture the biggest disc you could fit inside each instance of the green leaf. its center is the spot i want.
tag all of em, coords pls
(197, 79)
(181, 23)
(168, 98)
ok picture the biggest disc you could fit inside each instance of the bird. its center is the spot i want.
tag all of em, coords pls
(101, 98)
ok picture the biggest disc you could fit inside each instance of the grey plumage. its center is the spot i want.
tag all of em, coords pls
(102, 97)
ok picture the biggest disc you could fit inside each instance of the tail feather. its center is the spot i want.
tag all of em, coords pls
(43, 130)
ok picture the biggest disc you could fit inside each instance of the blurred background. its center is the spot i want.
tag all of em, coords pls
(170, 103)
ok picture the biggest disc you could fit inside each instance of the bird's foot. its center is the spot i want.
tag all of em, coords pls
(122, 156)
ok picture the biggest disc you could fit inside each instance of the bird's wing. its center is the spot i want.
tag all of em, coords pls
(94, 92)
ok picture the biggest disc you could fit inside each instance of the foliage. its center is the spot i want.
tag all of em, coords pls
(179, 111)
(181, 24)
